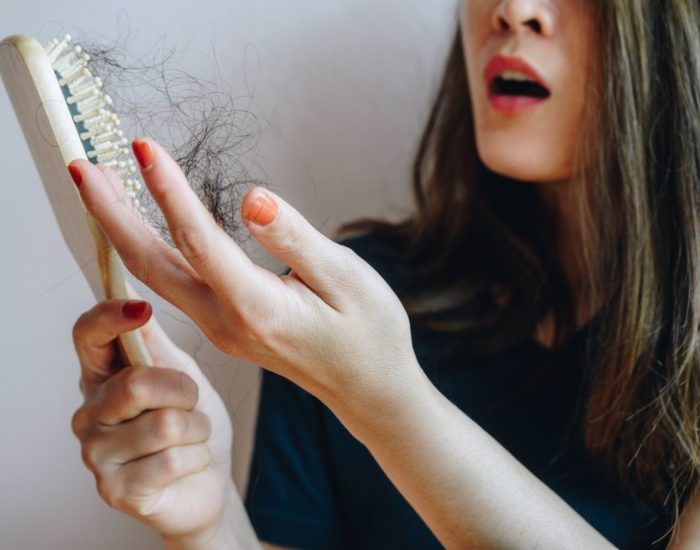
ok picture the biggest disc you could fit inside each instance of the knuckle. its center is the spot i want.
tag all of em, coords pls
(250, 321)
(169, 425)
(138, 265)
(88, 452)
(350, 261)
(78, 327)
(254, 331)
(350, 255)
(203, 423)
(257, 331)
(188, 387)
(193, 243)
(171, 462)
(136, 495)
(200, 458)
(141, 507)
(135, 387)
(292, 239)
(79, 422)
(108, 491)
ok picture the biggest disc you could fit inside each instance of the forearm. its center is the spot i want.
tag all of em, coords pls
(467, 488)
(232, 532)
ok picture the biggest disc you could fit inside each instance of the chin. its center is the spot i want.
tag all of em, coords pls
(530, 163)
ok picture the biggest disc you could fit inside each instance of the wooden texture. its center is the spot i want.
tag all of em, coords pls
(54, 141)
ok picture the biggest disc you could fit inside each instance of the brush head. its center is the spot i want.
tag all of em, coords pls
(64, 115)
(90, 109)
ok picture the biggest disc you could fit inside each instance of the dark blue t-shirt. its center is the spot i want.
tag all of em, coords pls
(312, 485)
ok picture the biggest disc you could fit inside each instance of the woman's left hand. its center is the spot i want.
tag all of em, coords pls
(332, 325)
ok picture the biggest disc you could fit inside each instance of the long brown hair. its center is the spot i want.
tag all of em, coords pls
(474, 231)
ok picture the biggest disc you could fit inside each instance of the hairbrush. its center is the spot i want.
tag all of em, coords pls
(65, 114)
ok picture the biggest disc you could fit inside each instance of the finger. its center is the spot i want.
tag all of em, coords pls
(94, 334)
(136, 389)
(153, 431)
(205, 245)
(150, 259)
(154, 473)
(317, 261)
(163, 350)
(158, 244)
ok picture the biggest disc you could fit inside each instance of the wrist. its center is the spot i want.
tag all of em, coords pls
(232, 530)
(390, 400)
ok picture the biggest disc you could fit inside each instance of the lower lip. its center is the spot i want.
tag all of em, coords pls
(512, 104)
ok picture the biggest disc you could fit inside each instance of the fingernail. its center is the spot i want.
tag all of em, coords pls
(143, 153)
(134, 309)
(261, 211)
(75, 174)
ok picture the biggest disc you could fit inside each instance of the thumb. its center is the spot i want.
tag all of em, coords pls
(95, 333)
(318, 261)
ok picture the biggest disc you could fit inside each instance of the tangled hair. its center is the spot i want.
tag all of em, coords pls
(639, 203)
(195, 119)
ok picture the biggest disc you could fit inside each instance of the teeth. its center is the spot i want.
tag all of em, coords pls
(515, 75)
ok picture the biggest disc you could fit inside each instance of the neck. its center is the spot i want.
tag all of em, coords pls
(561, 200)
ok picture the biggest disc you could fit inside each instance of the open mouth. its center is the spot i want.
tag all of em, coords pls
(513, 85)
(503, 86)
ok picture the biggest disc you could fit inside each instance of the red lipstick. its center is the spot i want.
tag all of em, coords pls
(513, 103)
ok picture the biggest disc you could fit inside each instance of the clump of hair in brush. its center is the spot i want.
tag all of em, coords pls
(195, 119)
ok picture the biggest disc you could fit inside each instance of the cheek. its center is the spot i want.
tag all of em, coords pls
(475, 22)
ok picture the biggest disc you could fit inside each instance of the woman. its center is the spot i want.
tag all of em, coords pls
(547, 287)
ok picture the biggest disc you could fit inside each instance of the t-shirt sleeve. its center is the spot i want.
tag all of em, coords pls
(290, 497)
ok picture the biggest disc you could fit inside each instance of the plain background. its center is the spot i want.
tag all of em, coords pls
(344, 89)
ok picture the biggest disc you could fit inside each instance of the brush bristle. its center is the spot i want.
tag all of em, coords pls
(90, 108)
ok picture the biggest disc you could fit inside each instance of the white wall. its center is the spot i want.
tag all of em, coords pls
(345, 86)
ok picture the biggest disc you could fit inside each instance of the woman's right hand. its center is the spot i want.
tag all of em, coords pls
(158, 439)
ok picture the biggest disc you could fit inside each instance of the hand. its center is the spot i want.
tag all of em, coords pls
(332, 325)
(158, 439)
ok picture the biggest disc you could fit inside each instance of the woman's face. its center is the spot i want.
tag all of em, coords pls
(526, 66)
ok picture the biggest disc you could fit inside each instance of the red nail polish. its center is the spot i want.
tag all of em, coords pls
(75, 174)
(134, 310)
(143, 153)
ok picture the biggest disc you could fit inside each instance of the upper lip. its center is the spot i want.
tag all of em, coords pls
(499, 63)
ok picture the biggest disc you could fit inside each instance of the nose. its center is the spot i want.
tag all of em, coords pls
(523, 15)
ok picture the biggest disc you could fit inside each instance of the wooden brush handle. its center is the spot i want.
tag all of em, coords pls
(131, 345)
(53, 140)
